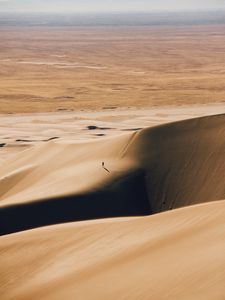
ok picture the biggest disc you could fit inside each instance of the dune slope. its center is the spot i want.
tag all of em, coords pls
(150, 171)
(173, 255)
(184, 162)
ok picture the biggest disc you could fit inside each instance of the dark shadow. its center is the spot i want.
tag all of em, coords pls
(106, 169)
(125, 196)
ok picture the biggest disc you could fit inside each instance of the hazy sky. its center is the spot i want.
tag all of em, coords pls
(107, 5)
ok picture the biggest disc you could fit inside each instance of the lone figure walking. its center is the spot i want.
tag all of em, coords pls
(103, 165)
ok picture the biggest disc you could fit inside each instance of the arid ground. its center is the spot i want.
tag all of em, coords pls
(112, 163)
(69, 68)
(170, 176)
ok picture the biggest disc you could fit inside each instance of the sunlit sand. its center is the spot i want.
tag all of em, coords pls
(112, 163)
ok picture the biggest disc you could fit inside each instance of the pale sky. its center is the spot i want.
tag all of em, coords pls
(108, 5)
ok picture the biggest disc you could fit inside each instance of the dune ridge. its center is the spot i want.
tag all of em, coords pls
(152, 170)
(177, 254)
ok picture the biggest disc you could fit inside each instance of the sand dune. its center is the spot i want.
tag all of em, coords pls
(153, 170)
(102, 196)
(172, 255)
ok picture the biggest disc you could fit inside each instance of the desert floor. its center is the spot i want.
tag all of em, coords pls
(112, 163)
(46, 69)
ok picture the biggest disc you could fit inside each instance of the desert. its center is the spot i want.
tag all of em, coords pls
(112, 162)
(49, 69)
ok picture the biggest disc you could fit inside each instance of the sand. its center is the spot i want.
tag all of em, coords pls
(50, 68)
(22, 131)
(112, 162)
(146, 224)
(173, 255)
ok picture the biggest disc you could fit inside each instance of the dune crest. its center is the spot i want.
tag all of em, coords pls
(184, 162)
(153, 170)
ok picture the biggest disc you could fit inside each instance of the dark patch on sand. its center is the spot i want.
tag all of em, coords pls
(94, 127)
(109, 107)
(32, 141)
(132, 129)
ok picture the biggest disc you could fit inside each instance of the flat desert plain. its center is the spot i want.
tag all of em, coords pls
(112, 163)
(49, 68)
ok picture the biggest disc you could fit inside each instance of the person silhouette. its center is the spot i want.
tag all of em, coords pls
(103, 165)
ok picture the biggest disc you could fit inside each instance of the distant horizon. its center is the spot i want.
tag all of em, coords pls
(107, 6)
(141, 18)
(170, 11)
